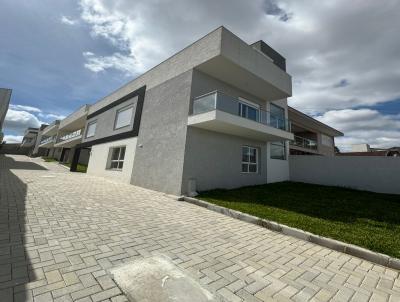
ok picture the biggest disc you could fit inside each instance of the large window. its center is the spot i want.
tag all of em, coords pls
(249, 111)
(123, 117)
(91, 129)
(249, 159)
(117, 158)
(277, 118)
(278, 150)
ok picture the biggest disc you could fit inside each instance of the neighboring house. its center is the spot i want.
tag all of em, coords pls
(36, 150)
(366, 150)
(48, 137)
(29, 140)
(214, 115)
(70, 133)
(311, 137)
(5, 96)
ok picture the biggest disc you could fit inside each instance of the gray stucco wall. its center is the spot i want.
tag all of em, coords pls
(5, 95)
(37, 143)
(160, 148)
(106, 121)
(214, 160)
(371, 173)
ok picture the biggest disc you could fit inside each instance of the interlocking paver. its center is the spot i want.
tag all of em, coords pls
(60, 232)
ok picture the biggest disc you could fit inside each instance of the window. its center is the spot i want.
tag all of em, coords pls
(277, 119)
(249, 111)
(123, 117)
(91, 129)
(249, 159)
(117, 158)
(278, 150)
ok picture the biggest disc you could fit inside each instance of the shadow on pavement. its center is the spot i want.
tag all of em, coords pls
(8, 162)
(15, 264)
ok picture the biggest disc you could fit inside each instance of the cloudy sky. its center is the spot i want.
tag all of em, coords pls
(344, 56)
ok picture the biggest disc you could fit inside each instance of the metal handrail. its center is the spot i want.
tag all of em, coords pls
(216, 100)
(304, 142)
(70, 135)
(47, 140)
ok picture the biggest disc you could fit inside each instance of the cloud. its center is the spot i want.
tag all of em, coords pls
(337, 59)
(12, 138)
(25, 108)
(117, 61)
(272, 8)
(68, 21)
(364, 126)
(20, 120)
(51, 116)
(340, 59)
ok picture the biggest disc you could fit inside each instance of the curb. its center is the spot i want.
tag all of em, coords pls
(336, 245)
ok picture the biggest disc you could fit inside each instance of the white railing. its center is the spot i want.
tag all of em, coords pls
(70, 135)
(47, 140)
(304, 142)
(217, 100)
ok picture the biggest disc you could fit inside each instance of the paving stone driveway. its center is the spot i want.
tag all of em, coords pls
(60, 232)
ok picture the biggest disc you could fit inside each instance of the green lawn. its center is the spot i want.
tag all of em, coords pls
(48, 159)
(367, 219)
(79, 167)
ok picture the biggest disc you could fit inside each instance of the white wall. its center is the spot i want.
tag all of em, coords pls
(99, 156)
(371, 173)
(277, 169)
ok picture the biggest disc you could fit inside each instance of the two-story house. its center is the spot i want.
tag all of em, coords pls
(29, 139)
(311, 137)
(214, 115)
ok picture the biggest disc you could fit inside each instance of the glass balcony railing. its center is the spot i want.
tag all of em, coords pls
(70, 135)
(219, 101)
(304, 142)
(47, 140)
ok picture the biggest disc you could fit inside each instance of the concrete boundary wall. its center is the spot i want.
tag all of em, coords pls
(371, 173)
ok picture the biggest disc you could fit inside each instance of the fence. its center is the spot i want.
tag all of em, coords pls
(371, 173)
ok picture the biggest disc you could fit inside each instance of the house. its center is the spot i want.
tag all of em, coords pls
(36, 150)
(29, 139)
(214, 115)
(366, 150)
(5, 95)
(70, 132)
(311, 137)
(48, 137)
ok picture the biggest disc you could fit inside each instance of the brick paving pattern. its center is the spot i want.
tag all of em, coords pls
(60, 232)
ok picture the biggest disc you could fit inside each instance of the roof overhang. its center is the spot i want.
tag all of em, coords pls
(303, 120)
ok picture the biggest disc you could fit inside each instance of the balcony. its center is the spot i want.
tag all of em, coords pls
(76, 120)
(305, 143)
(69, 139)
(222, 113)
(51, 129)
(47, 142)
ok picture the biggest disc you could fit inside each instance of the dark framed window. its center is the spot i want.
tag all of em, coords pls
(277, 117)
(278, 150)
(249, 111)
(249, 159)
(117, 158)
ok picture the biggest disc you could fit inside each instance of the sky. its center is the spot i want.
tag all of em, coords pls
(344, 56)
